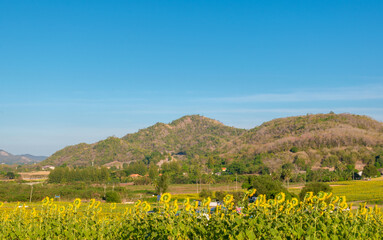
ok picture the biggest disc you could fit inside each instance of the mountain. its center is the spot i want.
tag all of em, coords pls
(311, 139)
(8, 158)
(191, 133)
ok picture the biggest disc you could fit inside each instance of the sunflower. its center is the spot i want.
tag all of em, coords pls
(138, 203)
(91, 202)
(206, 202)
(175, 206)
(54, 208)
(329, 195)
(315, 199)
(331, 207)
(334, 199)
(186, 201)
(188, 207)
(322, 205)
(70, 207)
(113, 206)
(251, 192)
(45, 201)
(97, 204)
(146, 206)
(99, 209)
(308, 196)
(77, 202)
(343, 205)
(271, 202)
(228, 199)
(321, 195)
(166, 197)
(342, 199)
(294, 202)
(61, 209)
(280, 198)
(196, 204)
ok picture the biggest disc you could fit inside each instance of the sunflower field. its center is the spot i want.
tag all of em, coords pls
(322, 216)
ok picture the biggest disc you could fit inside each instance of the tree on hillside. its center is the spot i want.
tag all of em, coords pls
(370, 171)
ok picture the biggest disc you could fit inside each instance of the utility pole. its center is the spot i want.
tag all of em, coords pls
(30, 196)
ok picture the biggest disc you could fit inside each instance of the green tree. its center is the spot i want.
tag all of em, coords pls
(370, 171)
(162, 184)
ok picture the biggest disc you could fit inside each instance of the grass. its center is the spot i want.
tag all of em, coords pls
(356, 191)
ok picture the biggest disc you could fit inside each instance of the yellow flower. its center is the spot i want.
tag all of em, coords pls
(228, 199)
(175, 206)
(70, 207)
(342, 199)
(91, 202)
(145, 205)
(45, 201)
(99, 209)
(61, 209)
(251, 192)
(315, 199)
(195, 204)
(188, 207)
(1, 204)
(166, 197)
(331, 207)
(295, 201)
(138, 203)
(206, 202)
(113, 206)
(343, 205)
(280, 197)
(77, 202)
(321, 196)
(271, 202)
(334, 199)
(329, 195)
(186, 201)
(280, 208)
(97, 204)
(54, 207)
(308, 196)
(322, 205)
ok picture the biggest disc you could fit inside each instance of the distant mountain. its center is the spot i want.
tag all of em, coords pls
(8, 158)
(192, 133)
(314, 138)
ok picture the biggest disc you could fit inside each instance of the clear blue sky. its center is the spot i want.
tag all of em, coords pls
(80, 71)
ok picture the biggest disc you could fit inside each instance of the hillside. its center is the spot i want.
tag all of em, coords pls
(316, 139)
(8, 158)
(192, 133)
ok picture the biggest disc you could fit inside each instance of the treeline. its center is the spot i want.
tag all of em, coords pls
(89, 174)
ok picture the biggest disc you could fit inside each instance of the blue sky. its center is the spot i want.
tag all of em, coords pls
(80, 71)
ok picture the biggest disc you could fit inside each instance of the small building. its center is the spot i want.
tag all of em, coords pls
(48, 167)
(135, 175)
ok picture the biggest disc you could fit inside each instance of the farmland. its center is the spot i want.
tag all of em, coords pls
(316, 217)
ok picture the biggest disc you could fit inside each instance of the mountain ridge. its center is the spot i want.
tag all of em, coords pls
(195, 136)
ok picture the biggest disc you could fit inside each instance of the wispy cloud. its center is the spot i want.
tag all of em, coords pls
(311, 95)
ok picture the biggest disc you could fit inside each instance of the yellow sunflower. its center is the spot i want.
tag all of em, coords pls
(206, 202)
(166, 197)
(77, 202)
(188, 207)
(1, 204)
(186, 201)
(138, 203)
(61, 209)
(321, 195)
(113, 206)
(308, 196)
(294, 202)
(92, 202)
(280, 198)
(45, 201)
(228, 199)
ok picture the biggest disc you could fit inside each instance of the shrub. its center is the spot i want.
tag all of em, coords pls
(315, 188)
(205, 193)
(112, 197)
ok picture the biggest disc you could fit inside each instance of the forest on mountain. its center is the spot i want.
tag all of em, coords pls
(324, 146)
